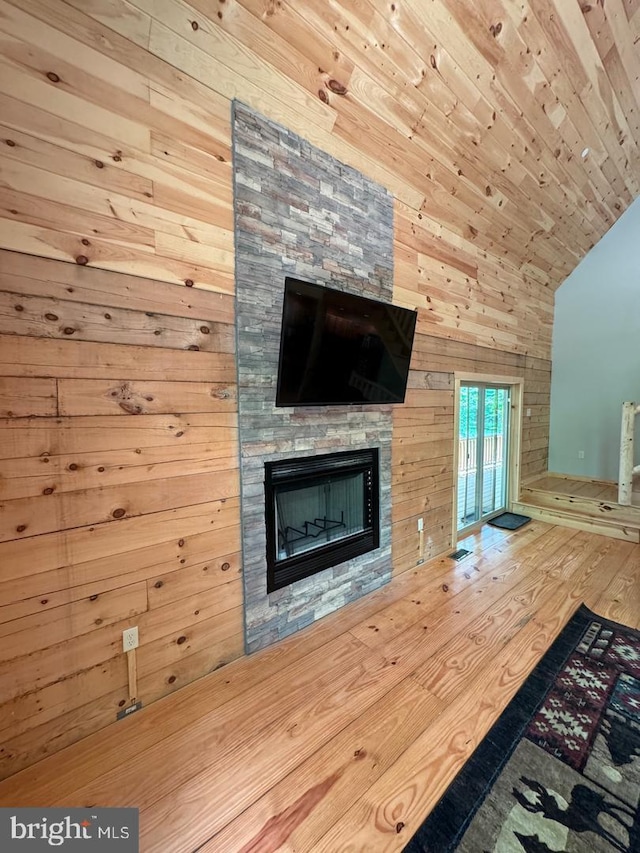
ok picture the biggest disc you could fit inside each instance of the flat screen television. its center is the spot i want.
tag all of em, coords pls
(341, 349)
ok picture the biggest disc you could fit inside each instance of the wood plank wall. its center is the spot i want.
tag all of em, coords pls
(119, 488)
(119, 495)
(424, 436)
(119, 481)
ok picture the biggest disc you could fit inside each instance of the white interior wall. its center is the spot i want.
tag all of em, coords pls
(596, 354)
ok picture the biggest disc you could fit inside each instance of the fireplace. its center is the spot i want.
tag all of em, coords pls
(320, 511)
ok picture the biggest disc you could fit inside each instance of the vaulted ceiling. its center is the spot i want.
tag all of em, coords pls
(507, 131)
(514, 124)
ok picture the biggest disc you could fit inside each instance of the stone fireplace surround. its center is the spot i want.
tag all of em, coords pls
(300, 212)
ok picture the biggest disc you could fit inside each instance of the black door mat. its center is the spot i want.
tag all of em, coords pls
(509, 521)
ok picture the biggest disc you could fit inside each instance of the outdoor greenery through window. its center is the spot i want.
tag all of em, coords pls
(482, 452)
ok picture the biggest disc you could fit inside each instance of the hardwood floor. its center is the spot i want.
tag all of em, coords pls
(566, 485)
(344, 736)
(580, 503)
(601, 490)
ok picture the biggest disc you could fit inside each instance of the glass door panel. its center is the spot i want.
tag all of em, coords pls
(482, 452)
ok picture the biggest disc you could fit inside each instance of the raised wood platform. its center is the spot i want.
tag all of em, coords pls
(344, 736)
(583, 504)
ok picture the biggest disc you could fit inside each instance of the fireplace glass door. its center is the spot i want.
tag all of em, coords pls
(320, 511)
(328, 509)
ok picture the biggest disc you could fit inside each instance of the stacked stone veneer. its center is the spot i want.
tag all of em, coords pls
(300, 212)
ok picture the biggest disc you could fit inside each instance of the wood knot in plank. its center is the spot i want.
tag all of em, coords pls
(495, 29)
(323, 96)
(118, 513)
(399, 826)
(131, 408)
(51, 75)
(336, 87)
(82, 260)
(225, 567)
(188, 282)
(130, 401)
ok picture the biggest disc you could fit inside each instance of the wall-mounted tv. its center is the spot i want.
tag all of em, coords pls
(341, 349)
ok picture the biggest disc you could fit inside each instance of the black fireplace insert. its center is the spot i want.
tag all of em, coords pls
(320, 511)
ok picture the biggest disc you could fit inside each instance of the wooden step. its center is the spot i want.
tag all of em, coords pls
(606, 518)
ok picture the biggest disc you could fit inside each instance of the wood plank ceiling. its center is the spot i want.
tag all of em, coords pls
(484, 109)
(474, 114)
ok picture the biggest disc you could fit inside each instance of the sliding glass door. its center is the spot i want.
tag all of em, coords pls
(483, 446)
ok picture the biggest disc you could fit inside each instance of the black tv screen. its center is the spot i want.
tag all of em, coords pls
(340, 349)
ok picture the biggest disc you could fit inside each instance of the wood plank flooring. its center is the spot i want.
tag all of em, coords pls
(580, 503)
(602, 490)
(344, 736)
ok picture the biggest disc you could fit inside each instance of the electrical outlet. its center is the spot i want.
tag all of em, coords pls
(421, 524)
(130, 710)
(581, 454)
(130, 639)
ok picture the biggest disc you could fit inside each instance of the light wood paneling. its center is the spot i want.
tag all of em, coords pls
(424, 433)
(21, 398)
(101, 515)
(118, 119)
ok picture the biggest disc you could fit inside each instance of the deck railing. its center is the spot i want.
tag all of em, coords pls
(468, 453)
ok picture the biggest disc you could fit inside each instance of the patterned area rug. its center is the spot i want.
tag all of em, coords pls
(560, 770)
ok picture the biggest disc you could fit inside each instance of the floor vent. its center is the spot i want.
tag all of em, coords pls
(458, 555)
